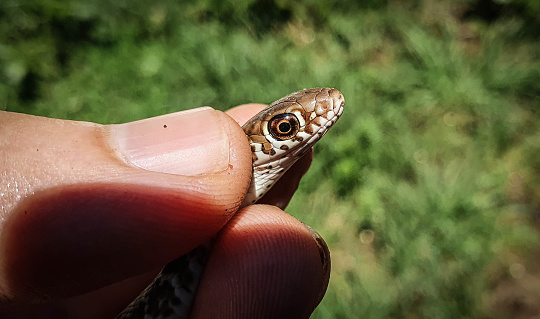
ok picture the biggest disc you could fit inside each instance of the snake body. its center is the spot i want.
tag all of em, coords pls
(279, 135)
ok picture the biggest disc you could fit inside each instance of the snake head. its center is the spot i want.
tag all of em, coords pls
(284, 131)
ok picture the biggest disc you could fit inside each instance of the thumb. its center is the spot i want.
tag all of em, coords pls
(87, 205)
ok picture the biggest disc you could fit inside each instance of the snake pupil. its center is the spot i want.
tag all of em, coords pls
(283, 126)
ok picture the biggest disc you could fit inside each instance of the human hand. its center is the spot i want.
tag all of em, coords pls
(86, 206)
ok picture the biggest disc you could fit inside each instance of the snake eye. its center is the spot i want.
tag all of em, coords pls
(283, 126)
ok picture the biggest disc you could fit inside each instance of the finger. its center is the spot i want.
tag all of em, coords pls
(265, 264)
(106, 302)
(280, 195)
(90, 205)
(242, 113)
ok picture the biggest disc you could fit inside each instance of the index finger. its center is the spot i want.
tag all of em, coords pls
(242, 113)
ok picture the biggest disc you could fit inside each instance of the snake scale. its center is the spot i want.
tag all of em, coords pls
(279, 135)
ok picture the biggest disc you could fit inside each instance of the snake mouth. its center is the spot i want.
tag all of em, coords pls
(316, 125)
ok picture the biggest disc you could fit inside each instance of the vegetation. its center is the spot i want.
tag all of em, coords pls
(427, 190)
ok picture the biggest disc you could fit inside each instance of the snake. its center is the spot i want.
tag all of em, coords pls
(279, 135)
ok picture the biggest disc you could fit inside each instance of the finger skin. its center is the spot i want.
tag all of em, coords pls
(81, 218)
(265, 264)
(242, 113)
(106, 302)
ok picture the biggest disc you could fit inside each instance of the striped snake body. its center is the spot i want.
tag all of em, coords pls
(279, 135)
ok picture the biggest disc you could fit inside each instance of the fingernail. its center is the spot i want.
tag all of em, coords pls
(323, 248)
(324, 253)
(191, 142)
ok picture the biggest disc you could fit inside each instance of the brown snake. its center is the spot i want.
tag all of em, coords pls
(279, 135)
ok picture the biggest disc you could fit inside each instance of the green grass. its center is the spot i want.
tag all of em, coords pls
(426, 190)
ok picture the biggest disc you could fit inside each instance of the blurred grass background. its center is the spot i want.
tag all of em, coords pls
(427, 190)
